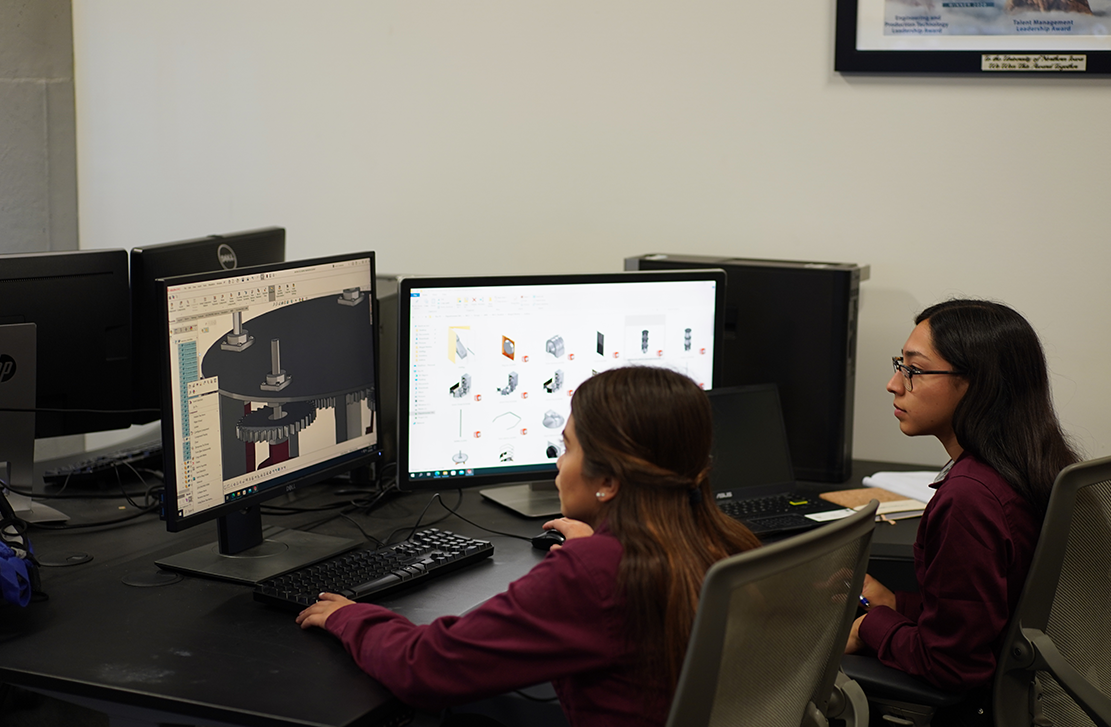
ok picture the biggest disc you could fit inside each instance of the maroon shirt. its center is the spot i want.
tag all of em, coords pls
(562, 622)
(971, 557)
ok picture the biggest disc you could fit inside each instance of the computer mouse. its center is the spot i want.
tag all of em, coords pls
(548, 538)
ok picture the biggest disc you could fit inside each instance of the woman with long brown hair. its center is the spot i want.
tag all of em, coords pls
(972, 374)
(606, 617)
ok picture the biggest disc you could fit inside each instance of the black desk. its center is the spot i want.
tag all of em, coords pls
(204, 650)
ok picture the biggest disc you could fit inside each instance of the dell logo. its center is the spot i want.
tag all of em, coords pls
(7, 367)
(226, 256)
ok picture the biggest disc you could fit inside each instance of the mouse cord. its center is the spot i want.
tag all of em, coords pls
(436, 498)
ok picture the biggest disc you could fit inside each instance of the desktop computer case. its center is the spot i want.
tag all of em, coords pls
(791, 323)
(386, 288)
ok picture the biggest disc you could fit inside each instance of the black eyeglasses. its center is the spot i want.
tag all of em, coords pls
(909, 372)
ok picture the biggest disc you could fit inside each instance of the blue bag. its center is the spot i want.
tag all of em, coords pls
(15, 577)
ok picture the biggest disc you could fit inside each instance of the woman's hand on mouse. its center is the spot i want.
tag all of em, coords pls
(318, 613)
(570, 528)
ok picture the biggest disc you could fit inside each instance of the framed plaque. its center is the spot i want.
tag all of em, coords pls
(989, 37)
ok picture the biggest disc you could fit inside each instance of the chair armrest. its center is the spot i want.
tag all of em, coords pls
(878, 680)
(1047, 658)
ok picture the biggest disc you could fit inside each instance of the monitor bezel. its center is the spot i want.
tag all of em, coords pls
(295, 480)
(540, 476)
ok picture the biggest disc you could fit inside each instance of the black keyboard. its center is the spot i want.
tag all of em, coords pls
(365, 574)
(147, 455)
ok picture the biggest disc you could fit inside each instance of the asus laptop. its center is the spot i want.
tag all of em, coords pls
(751, 475)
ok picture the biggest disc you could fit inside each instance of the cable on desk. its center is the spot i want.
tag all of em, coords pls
(54, 410)
(350, 504)
(116, 521)
(346, 507)
(61, 494)
(143, 510)
(80, 495)
(378, 494)
(436, 497)
(150, 488)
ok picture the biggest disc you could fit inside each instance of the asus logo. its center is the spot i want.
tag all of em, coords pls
(722, 495)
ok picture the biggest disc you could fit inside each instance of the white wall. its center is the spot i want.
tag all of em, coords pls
(499, 136)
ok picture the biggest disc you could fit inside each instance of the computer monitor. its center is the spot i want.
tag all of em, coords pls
(269, 384)
(80, 305)
(201, 255)
(487, 366)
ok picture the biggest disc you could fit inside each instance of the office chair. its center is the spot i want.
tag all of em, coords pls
(1055, 666)
(1056, 663)
(770, 630)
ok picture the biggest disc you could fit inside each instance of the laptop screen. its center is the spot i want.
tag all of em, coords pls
(750, 441)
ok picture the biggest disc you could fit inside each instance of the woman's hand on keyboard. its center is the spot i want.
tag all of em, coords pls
(318, 613)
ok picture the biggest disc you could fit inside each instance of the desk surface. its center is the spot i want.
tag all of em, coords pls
(206, 650)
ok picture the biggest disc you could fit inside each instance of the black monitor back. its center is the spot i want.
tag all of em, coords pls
(79, 302)
(791, 323)
(188, 257)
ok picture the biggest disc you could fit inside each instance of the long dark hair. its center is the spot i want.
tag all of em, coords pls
(651, 430)
(1006, 417)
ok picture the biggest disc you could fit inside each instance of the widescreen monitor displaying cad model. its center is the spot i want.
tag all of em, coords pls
(488, 365)
(270, 384)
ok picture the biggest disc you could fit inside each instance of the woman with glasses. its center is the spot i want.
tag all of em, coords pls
(973, 375)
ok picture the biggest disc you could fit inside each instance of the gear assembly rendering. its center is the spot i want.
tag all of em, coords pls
(269, 396)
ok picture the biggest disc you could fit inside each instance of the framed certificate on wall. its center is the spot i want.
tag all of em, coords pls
(988, 37)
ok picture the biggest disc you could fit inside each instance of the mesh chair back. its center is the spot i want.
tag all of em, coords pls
(771, 626)
(1067, 596)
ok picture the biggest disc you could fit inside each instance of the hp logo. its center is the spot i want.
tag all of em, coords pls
(226, 256)
(7, 367)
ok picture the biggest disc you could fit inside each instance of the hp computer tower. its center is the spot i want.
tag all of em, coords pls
(791, 323)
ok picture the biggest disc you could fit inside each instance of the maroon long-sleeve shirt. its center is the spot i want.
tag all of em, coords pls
(971, 556)
(562, 622)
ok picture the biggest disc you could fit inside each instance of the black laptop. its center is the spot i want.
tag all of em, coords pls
(752, 476)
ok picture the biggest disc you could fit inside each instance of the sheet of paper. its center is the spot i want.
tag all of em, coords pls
(913, 485)
(821, 517)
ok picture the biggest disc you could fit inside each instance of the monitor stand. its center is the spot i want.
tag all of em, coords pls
(30, 511)
(536, 499)
(18, 347)
(248, 553)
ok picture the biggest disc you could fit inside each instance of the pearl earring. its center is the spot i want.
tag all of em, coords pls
(599, 495)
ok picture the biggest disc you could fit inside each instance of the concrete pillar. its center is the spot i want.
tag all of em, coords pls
(38, 148)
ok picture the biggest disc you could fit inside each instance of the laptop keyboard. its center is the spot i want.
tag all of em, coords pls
(780, 524)
(767, 506)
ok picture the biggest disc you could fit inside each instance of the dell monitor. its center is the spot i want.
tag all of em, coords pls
(487, 367)
(269, 384)
(153, 262)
